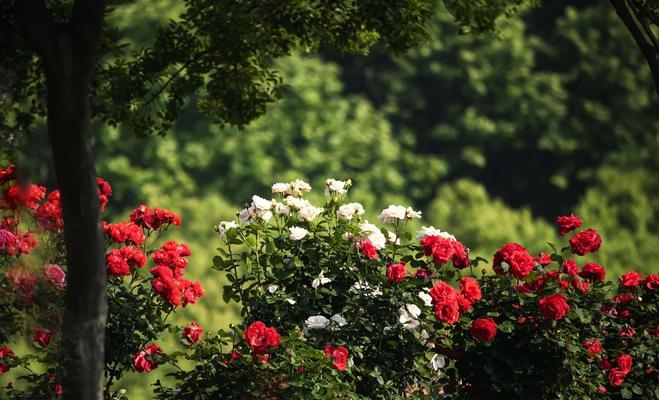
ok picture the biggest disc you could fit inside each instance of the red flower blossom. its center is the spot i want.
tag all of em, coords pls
(58, 389)
(367, 248)
(592, 346)
(585, 242)
(483, 329)
(119, 261)
(616, 377)
(6, 358)
(568, 223)
(651, 283)
(631, 279)
(260, 337)
(166, 285)
(104, 192)
(191, 334)
(554, 307)
(124, 233)
(49, 214)
(41, 339)
(470, 289)
(154, 219)
(55, 275)
(8, 174)
(448, 312)
(460, 258)
(339, 357)
(593, 272)
(147, 359)
(396, 272)
(519, 261)
(23, 196)
(627, 331)
(624, 362)
(543, 259)
(171, 255)
(570, 267)
(191, 292)
(443, 249)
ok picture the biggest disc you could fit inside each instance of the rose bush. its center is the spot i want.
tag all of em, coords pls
(33, 281)
(336, 307)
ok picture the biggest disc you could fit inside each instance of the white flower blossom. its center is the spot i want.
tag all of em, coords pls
(426, 231)
(272, 288)
(334, 186)
(392, 238)
(412, 214)
(373, 234)
(224, 226)
(290, 301)
(261, 204)
(408, 316)
(339, 320)
(427, 299)
(281, 209)
(281, 188)
(296, 203)
(350, 211)
(321, 280)
(298, 187)
(309, 213)
(390, 214)
(297, 233)
(364, 288)
(316, 322)
(437, 362)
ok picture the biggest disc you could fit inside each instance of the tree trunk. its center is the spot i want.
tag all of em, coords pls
(68, 52)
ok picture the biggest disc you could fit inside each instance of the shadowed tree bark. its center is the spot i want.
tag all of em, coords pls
(68, 53)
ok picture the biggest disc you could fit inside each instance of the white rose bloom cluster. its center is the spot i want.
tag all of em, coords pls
(393, 213)
(426, 231)
(408, 316)
(373, 234)
(427, 299)
(297, 233)
(259, 209)
(320, 280)
(224, 226)
(305, 210)
(339, 187)
(364, 288)
(350, 211)
(295, 188)
(318, 322)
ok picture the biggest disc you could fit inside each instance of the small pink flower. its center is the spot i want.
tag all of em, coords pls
(55, 275)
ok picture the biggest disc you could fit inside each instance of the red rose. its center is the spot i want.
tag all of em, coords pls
(49, 214)
(593, 272)
(58, 389)
(543, 259)
(585, 242)
(104, 192)
(339, 357)
(55, 275)
(153, 219)
(570, 267)
(6, 358)
(191, 334)
(8, 174)
(448, 312)
(606, 365)
(624, 362)
(260, 338)
(470, 289)
(443, 293)
(396, 272)
(568, 223)
(592, 346)
(441, 248)
(460, 257)
(464, 305)
(631, 279)
(554, 307)
(41, 339)
(616, 377)
(368, 249)
(623, 298)
(147, 359)
(119, 261)
(520, 263)
(484, 329)
(124, 233)
(627, 331)
(581, 285)
(651, 283)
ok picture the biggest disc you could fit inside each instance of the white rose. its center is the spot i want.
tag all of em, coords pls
(390, 214)
(427, 299)
(224, 226)
(408, 316)
(373, 234)
(290, 301)
(426, 231)
(339, 320)
(273, 288)
(296, 203)
(245, 216)
(321, 280)
(437, 362)
(309, 213)
(334, 186)
(316, 322)
(261, 204)
(350, 210)
(392, 238)
(411, 214)
(281, 188)
(281, 209)
(298, 187)
(297, 233)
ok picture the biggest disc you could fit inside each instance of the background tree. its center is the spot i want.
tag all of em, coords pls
(67, 63)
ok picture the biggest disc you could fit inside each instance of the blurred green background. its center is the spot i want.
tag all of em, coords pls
(491, 137)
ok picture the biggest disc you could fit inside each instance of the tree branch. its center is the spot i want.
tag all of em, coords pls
(634, 25)
(34, 23)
